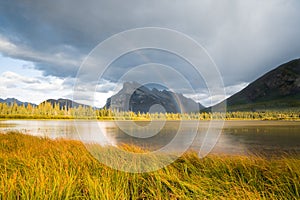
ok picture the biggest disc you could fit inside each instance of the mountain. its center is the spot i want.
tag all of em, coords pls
(277, 89)
(138, 98)
(10, 101)
(64, 103)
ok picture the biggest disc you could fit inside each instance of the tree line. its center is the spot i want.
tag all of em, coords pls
(48, 111)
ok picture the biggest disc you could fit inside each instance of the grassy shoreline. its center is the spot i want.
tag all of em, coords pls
(48, 111)
(40, 168)
(147, 120)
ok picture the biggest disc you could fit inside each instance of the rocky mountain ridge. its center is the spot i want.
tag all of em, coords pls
(277, 89)
(138, 98)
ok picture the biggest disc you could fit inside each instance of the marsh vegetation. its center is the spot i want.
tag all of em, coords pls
(48, 111)
(40, 168)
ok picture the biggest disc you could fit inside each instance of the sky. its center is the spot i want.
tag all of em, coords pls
(44, 45)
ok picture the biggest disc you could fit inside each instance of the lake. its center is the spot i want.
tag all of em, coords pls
(236, 137)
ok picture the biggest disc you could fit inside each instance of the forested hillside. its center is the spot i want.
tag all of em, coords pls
(48, 111)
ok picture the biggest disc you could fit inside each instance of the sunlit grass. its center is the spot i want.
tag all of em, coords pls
(39, 168)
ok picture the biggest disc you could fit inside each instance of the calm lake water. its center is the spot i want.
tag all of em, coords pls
(236, 137)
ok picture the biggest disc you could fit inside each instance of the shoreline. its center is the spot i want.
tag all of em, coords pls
(40, 168)
(276, 153)
(143, 120)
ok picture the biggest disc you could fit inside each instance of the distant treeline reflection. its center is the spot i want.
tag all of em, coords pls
(48, 111)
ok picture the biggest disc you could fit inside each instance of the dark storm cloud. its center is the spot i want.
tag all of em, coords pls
(244, 38)
(141, 57)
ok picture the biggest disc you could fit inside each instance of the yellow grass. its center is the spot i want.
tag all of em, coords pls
(40, 168)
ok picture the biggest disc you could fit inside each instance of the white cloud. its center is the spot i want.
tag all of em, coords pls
(31, 89)
(18, 79)
(205, 99)
(245, 38)
(232, 89)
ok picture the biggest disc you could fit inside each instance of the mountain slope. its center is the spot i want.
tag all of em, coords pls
(64, 103)
(277, 89)
(10, 101)
(138, 98)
